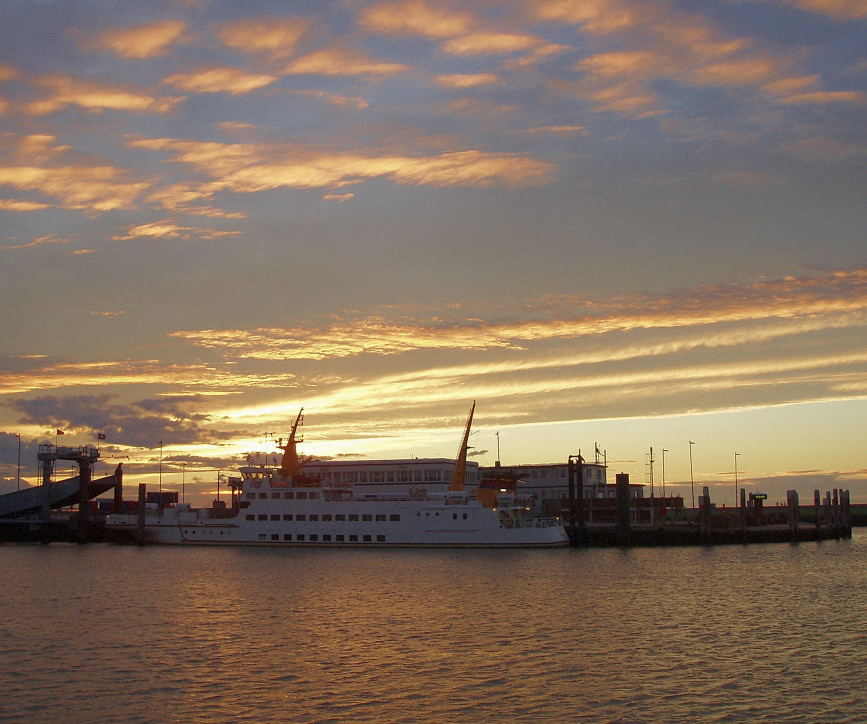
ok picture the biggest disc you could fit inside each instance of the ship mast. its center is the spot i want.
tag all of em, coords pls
(289, 465)
(459, 474)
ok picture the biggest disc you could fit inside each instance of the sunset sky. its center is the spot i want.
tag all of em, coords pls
(611, 222)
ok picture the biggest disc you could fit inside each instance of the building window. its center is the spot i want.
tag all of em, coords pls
(251, 496)
(276, 495)
(263, 495)
(339, 517)
(289, 495)
(302, 495)
(314, 516)
(340, 538)
(262, 536)
(300, 536)
(287, 536)
(275, 536)
(326, 538)
(314, 537)
(314, 495)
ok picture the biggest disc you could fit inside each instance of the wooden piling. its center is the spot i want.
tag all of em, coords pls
(142, 497)
(794, 512)
(623, 518)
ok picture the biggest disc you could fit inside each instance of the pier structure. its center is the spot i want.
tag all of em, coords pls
(26, 514)
(642, 521)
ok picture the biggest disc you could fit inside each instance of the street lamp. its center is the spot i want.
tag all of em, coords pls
(663, 471)
(736, 479)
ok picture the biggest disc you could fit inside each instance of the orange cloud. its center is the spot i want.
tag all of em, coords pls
(842, 296)
(170, 229)
(415, 18)
(341, 61)
(143, 41)
(89, 188)
(248, 168)
(489, 43)
(65, 91)
(277, 37)
(823, 97)
(467, 80)
(219, 80)
(838, 9)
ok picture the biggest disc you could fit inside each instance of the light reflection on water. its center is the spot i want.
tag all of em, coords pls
(731, 633)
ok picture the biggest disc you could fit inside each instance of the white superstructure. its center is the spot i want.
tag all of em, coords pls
(287, 507)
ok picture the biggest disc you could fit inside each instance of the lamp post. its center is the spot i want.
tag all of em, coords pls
(736, 479)
(663, 471)
(691, 482)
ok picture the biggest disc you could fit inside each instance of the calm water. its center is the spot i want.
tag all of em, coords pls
(756, 633)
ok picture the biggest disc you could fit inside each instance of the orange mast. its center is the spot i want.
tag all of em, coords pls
(289, 465)
(459, 474)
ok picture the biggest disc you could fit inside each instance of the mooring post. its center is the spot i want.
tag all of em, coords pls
(827, 513)
(836, 508)
(623, 517)
(792, 501)
(142, 497)
(817, 503)
(846, 513)
(85, 470)
(704, 517)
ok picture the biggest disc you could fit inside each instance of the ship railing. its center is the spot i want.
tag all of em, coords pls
(538, 522)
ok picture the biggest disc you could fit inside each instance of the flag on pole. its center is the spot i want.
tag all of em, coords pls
(100, 436)
(60, 432)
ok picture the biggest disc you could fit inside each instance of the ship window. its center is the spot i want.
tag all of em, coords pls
(300, 536)
(275, 517)
(263, 495)
(250, 516)
(314, 516)
(326, 516)
(394, 516)
(416, 476)
(376, 477)
(261, 536)
(353, 516)
(353, 539)
(380, 539)
(251, 496)
(287, 516)
(287, 536)
(314, 495)
(403, 476)
(389, 476)
(302, 495)
(326, 538)
(339, 516)
(289, 494)
(363, 477)
(340, 537)
(367, 517)
(465, 516)
(301, 517)
(367, 539)
(275, 536)
(275, 495)
(454, 516)
(314, 537)
(263, 517)
(380, 516)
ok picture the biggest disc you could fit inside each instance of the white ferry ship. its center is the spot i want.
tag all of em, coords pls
(286, 506)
